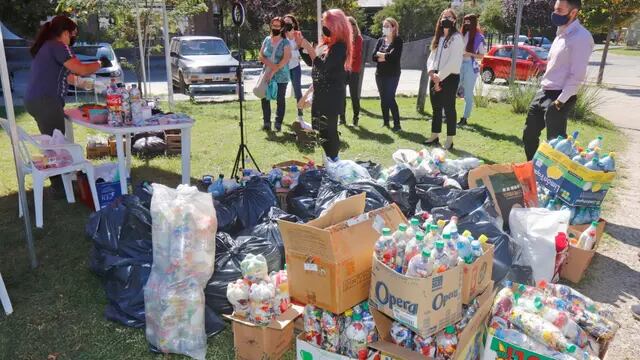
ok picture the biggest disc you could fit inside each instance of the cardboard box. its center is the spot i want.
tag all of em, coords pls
(425, 305)
(252, 341)
(329, 258)
(569, 181)
(503, 185)
(578, 260)
(477, 275)
(470, 340)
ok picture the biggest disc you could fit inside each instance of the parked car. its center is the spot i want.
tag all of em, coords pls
(522, 40)
(93, 52)
(540, 41)
(531, 62)
(201, 60)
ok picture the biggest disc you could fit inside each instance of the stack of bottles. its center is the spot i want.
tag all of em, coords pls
(553, 320)
(441, 345)
(259, 296)
(124, 105)
(590, 157)
(588, 237)
(287, 178)
(348, 334)
(424, 247)
(579, 214)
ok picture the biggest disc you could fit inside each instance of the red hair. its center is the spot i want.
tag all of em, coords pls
(341, 31)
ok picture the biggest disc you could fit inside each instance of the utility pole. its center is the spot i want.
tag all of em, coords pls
(516, 38)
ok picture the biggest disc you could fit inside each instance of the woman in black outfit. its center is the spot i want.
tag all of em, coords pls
(387, 56)
(331, 61)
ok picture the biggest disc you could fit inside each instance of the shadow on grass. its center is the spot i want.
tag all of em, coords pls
(413, 137)
(486, 132)
(379, 116)
(366, 134)
(462, 154)
(289, 137)
(626, 234)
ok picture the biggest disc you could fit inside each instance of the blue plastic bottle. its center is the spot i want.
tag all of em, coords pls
(217, 188)
(580, 158)
(555, 141)
(565, 146)
(608, 163)
(594, 164)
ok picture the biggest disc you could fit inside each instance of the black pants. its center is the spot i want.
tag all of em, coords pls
(327, 127)
(444, 99)
(266, 106)
(542, 113)
(49, 115)
(353, 82)
(387, 86)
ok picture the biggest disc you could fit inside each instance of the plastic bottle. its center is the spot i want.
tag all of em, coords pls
(441, 224)
(312, 330)
(595, 143)
(565, 146)
(421, 265)
(217, 188)
(414, 228)
(555, 141)
(294, 173)
(261, 297)
(126, 105)
(467, 314)
(414, 247)
(114, 104)
(400, 335)
(594, 164)
(238, 296)
(424, 346)
(608, 163)
(580, 158)
(551, 205)
(401, 233)
(382, 243)
(440, 257)
(452, 226)
(282, 301)
(451, 249)
(476, 249)
(563, 321)
(427, 220)
(463, 245)
(521, 340)
(330, 332)
(136, 105)
(503, 302)
(369, 323)
(356, 336)
(401, 248)
(432, 236)
(541, 330)
(446, 343)
(344, 321)
(591, 154)
(588, 236)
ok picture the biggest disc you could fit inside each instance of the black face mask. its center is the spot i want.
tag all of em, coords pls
(326, 32)
(275, 32)
(466, 27)
(446, 23)
(288, 27)
(72, 40)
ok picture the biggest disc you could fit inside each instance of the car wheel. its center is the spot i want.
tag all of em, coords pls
(487, 76)
(182, 86)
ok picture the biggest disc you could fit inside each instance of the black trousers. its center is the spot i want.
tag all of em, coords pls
(387, 86)
(327, 127)
(444, 99)
(353, 82)
(49, 115)
(281, 101)
(542, 113)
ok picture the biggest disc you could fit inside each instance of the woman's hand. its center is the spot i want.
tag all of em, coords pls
(382, 57)
(297, 37)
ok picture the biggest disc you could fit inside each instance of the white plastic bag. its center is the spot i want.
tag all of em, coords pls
(346, 171)
(406, 157)
(534, 230)
(184, 227)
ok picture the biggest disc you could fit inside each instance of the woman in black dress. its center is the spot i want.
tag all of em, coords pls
(331, 61)
(387, 56)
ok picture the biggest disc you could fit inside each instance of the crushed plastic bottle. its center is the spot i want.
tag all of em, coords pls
(571, 330)
(282, 300)
(519, 339)
(503, 303)
(369, 323)
(254, 268)
(382, 243)
(217, 188)
(446, 342)
(401, 335)
(424, 346)
(467, 315)
(413, 248)
(294, 174)
(421, 265)
(401, 247)
(356, 336)
(463, 245)
(441, 259)
(595, 143)
(608, 163)
(261, 297)
(541, 330)
(312, 330)
(555, 141)
(344, 321)
(330, 332)
(238, 296)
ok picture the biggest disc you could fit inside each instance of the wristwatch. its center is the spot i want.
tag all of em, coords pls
(558, 104)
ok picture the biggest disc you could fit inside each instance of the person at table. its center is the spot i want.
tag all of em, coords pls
(54, 65)
(275, 55)
(387, 55)
(330, 60)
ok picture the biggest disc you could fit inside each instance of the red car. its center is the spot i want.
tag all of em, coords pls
(531, 62)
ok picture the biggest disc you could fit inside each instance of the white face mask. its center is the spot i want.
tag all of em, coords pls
(386, 31)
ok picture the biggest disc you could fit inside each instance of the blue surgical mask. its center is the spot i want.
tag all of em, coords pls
(559, 20)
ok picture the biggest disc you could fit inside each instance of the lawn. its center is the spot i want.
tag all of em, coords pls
(59, 306)
(631, 51)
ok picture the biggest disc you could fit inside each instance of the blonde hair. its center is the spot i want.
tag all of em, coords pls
(395, 25)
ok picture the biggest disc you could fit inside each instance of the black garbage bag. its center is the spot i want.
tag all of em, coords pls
(269, 229)
(436, 196)
(303, 207)
(332, 191)
(229, 254)
(308, 185)
(251, 202)
(227, 217)
(462, 179)
(213, 324)
(373, 169)
(401, 186)
(124, 285)
(144, 192)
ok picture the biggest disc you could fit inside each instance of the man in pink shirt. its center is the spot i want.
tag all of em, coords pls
(566, 70)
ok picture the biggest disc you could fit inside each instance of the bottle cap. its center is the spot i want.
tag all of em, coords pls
(542, 284)
(365, 306)
(420, 236)
(468, 260)
(402, 227)
(285, 266)
(571, 348)
(483, 239)
(538, 302)
(386, 231)
(454, 219)
(348, 313)
(466, 233)
(356, 316)
(415, 222)
(441, 223)
(612, 154)
(433, 227)
(600, 137)
(594, 223)
(446, 236)
(440, 244)
(425, 215)
(426, 253)
(450, 329)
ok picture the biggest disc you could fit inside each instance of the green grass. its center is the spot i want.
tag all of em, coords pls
(59, 306)
(630, 51)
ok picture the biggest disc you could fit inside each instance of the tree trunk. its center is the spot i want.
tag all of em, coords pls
(605, 51)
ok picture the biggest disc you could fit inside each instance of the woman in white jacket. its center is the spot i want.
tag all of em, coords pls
(443, 66)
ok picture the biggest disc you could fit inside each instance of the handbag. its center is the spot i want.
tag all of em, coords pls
(260, 90)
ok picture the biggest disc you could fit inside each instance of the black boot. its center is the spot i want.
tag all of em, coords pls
(462, 122)
(396, 127)
(266, 127)
(355, 121)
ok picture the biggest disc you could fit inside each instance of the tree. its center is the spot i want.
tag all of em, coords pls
(536, 16)
(24, 16)
(417, 18)
(491, 19)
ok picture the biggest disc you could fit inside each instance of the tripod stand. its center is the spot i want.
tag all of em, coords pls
(243, 148)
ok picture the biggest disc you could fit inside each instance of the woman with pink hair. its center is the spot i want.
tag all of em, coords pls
(330, 60)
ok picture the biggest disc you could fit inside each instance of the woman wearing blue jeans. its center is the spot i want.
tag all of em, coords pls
(295, 71)
(473, 53)
(275, 54)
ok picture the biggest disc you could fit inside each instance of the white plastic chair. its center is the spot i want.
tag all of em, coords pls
(4, 298)
(39, 175)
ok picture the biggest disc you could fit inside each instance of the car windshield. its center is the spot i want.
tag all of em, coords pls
(203, 47)
(92, 53)
(541, 53)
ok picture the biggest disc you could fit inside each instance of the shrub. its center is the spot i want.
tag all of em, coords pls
(520, 95)
(479, 99)
(589, 97)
